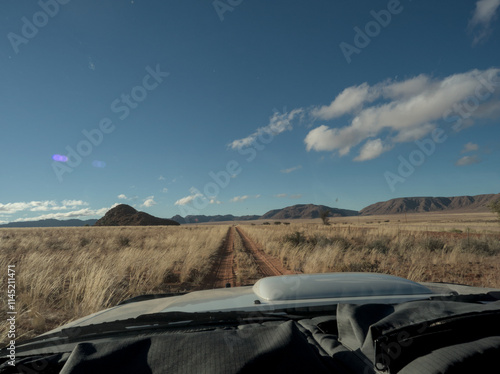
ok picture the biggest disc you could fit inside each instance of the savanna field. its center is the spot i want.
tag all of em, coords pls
(66, 273)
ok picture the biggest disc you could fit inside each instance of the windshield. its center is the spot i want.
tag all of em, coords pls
(164, 147)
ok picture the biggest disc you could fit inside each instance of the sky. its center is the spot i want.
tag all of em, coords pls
(239, 107)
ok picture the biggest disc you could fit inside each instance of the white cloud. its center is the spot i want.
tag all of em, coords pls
(278, 123)
(468, 160)
(122, 196)
(40, 206)
(470, 147)
(349, 100)
(164, 190)
(480, 23)
(186, 200)
(85, 212)
(215, 201)
(239, 198)
(289, 170)
(149, 202)
(161, 178)
(406, 111)
(371, 149)
(281, 195)
(71, 203)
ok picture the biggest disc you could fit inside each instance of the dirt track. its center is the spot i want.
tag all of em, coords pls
(222, 272)
(225, 265)
(267, 265)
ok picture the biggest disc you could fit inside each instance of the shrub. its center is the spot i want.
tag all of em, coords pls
(84, 241)
(123, 241)
(433, 244)
(379, 245)
(297, 238)
(481, 246)
(495, 207)
(324, 217)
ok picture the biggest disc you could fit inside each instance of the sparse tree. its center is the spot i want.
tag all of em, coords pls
(495, 207)
(324, 217)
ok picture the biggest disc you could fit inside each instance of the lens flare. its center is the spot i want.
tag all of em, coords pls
(60, 158)
(98, 164)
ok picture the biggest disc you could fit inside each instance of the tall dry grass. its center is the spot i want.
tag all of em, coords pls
(416, 255)
(66, 273)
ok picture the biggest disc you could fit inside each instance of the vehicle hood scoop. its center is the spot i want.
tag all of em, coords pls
(335, 285)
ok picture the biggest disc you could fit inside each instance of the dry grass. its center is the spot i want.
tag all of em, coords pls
(414, 254)
(66, 273)
(246, 269)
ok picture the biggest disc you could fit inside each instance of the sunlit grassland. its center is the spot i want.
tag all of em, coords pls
(417, 250)
(66, 273)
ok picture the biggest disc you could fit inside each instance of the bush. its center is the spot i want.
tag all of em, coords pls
(84, 241)
(277, 223)
(481, 246)
(433, 244)
(266, 223)
(495, 207)
(379, 245)
(324, 217)
(321, 240)
(123, 241)
(297, 238)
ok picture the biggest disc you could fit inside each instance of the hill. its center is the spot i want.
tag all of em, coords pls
(52, 223)
(125, 215)
(478, 203)
(306, 211)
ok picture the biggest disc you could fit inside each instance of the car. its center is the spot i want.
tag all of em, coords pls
(317, 323)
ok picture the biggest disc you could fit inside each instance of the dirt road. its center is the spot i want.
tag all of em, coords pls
(225, 265)
(267, 265)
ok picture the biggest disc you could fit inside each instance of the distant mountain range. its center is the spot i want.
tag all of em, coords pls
(217, 218)
(126, 215)
(52, 223)
(478, 203)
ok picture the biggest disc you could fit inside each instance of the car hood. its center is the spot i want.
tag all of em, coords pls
(270, 294)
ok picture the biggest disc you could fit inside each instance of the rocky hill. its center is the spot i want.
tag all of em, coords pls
(125, 215)
(306, 211)
(478, 203)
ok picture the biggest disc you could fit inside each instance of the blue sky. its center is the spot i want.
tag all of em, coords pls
(239, 107)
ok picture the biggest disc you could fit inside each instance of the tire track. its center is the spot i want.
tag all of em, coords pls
(222, 273)
(267, 265)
